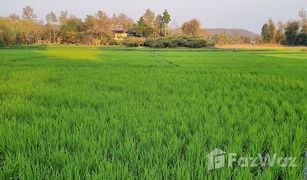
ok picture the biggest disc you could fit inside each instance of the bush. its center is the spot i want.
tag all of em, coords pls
(173, 42)
(114, 42)
(2, 42)
(180, 41)
(301, 39)
(157, 44)
(195, 43)
(133, 42)
(148, 42)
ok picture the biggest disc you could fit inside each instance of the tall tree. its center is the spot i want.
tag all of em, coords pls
(191, 28)
(63, 17)
(280, 32)
(7, 33)
(268, 31)
(302, 36)
(291, 32)
(143, 29)
(303, 15)
(28, 14)
(31, 29)
(124, 20)
(159, 25)
(89, 22)
(103, 26)
(52, 20)
(149, 17)
(166, 19)
(72, 31)
(265, 33)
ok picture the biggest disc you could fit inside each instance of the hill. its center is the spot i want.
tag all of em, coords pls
(231, 32)
(220, 31)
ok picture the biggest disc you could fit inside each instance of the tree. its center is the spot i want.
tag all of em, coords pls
(166, 19)
(89, 22)
(265, 33)
(14, 17)
(63, 17)
(159, 25)
(146, 25)
(103, 26)
(191, 28)
(143, 29)
(302, 36)
(268, 31)
(124, 20)
(31, 30)
(52, 20)
(28, 14)
(291, 32)
(304, 28)
(7, 33)
(303, 15)
(301, 39)
(72, 31)
(280, 33)
(149, 17)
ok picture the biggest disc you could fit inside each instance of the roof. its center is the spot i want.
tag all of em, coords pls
(118, 29)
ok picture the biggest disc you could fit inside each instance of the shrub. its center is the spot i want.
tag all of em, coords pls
(114, 42)
(157, 44)
(173, 42)
(2, 42)
(169, 43)
(148, 42)
(133, 41)
(181, 41)
(195, 43)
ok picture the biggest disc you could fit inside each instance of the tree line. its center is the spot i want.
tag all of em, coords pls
(65, 28)
(293, 32)
(97, 29)
(94, 29)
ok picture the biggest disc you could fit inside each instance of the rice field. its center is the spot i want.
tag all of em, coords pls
(109, 113)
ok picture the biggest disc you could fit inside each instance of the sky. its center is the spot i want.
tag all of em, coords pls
(246, 14)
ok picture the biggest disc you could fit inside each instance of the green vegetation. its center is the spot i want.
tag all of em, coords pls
(292, 33)
(101, 29)
(133, 42)
(173, 42)
(97, 29)
(83, 112)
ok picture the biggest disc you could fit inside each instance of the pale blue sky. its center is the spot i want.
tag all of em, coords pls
(248, 14)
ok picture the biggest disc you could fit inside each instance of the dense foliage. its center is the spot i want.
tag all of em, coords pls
(95, 29)
(191, 28)
(291, 33)
(100, 29)
(174, 42)
(134, 42)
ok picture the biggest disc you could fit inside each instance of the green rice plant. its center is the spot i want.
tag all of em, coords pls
(104, 113)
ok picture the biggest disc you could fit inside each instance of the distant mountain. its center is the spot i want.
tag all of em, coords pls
(219, 31)
(231, 32)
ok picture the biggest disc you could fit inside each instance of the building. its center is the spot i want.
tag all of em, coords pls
(119, 32)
